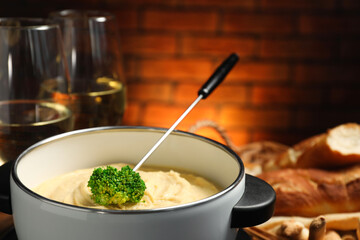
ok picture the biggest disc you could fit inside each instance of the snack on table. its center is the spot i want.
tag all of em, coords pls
(339, 147)
(260, 155)
(327, 227)
(312, 192)
(316, 181)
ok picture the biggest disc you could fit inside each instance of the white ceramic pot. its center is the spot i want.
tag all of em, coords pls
(243, 201)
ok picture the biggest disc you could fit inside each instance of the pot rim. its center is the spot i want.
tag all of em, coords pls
(240, 177)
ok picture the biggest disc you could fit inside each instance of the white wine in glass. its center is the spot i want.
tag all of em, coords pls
(92, 49)
(33, 71)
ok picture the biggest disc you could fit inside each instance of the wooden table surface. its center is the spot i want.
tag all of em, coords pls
(6, 223)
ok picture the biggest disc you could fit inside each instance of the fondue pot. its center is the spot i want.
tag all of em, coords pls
(243, 200)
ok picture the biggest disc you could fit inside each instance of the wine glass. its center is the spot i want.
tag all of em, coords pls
(32, 71)
(92, 49)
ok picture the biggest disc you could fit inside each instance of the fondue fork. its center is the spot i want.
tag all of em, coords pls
(216, 78)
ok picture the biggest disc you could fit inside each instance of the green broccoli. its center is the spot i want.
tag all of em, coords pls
(110, 186)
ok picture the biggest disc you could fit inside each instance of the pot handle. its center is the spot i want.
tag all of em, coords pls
(256, 205)
(5, 203)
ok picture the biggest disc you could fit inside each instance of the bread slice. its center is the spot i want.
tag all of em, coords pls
(338, 147)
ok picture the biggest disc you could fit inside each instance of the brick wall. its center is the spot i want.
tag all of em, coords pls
(298, 72)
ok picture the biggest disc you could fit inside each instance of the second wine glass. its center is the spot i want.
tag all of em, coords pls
(92, 48)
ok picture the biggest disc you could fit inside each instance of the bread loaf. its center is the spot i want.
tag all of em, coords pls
(338, 147)
(313, 192)
(258, 154)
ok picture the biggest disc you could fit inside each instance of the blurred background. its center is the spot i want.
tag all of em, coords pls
(297, 76)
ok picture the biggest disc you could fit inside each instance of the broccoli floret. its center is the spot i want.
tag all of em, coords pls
(110, 186)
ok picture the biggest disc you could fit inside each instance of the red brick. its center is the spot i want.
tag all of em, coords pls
(286, 95)
(329, 24)
(259, 72)
(298, 48)
(177, 20)
(351, 4)
(348, 74)
(122, 3)
(350, 49)
(258, 23)
(298, 5)
(127, 18)
(164, 115)
(229, 94)
(149, 91)
(210, 133)
(244, 47)
(220, 3)
(310, 74)
(132, 114)
(148, 44)
(287, 138)
(346, 97)
(75, 4)
(129, 67)
(238, 137)
(231, 138)
(326, 74)
(325, 118)
(186, 93)
(174, 68)
(233, 116)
